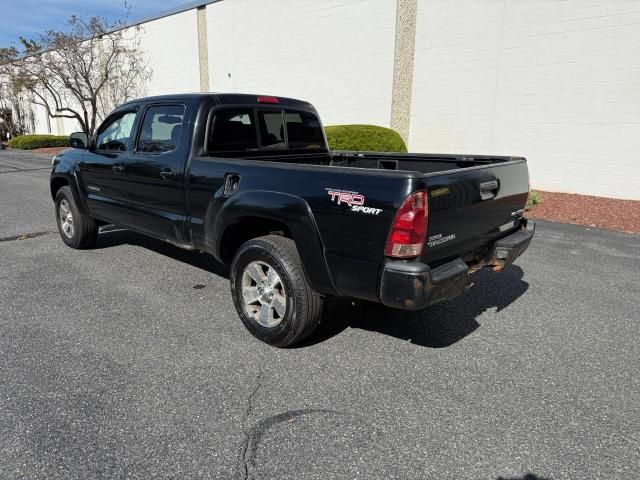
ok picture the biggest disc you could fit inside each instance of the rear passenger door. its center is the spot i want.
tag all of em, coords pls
(155, 172)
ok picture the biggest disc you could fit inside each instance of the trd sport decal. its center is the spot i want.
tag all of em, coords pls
(353, 200)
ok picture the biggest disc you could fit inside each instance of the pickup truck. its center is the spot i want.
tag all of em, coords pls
(250, 180)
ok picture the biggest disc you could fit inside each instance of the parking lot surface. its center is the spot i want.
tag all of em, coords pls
(129, 361)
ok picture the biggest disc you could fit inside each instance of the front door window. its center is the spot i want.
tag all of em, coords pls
(115, 135)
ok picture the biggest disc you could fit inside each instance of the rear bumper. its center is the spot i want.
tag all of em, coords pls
(413, 286)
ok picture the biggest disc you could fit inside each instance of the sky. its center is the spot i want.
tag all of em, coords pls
(27, 18)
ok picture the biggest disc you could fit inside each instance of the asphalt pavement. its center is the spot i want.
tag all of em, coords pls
(129, 361)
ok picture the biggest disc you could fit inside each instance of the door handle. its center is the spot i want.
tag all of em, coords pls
(488, 189)
(167, 174)
(118, 169)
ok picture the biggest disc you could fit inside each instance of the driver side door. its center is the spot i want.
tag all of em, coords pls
(103, 169)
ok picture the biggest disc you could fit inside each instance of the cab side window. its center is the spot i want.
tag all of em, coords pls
(161, 129)
(115, 135)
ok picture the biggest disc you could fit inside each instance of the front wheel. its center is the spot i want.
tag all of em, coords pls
(271, 292)
(76, 229)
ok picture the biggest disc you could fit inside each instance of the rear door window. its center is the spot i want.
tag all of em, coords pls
(161, 129)
(233, 131)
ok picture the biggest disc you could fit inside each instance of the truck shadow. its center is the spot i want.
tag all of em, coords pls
(111, 236)
(438, 326)
(528, 476)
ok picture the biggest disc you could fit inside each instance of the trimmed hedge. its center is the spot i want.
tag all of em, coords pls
(364, 138)
(29, 142)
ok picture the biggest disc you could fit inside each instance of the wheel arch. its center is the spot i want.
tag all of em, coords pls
(56, 184)
(66, 178)
(249, 215)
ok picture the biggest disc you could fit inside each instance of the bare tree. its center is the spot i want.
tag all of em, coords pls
(13, 115)
(81, 73)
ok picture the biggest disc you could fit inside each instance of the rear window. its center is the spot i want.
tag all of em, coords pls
(271, 129)
(304, 130)
(233, 131)
(241, 130)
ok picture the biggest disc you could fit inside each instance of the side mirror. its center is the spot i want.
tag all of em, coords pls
(78, 140)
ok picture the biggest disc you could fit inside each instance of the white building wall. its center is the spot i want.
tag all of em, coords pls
(40, 121)
(555, 80)
(69, 125)
(337, 54)
(170, 45)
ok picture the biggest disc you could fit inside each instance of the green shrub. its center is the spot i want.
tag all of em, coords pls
(534, 199)
(29, 142)
(364, 138)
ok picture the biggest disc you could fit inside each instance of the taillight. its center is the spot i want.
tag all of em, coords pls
(409, 229)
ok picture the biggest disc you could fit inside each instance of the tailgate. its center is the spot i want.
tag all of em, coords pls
(470, 207)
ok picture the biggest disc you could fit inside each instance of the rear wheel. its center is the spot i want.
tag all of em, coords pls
(271, 292)
(76, 229)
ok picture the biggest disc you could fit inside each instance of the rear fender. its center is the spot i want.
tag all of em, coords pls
(290, 210)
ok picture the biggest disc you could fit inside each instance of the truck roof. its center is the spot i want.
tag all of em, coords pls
(228, 98)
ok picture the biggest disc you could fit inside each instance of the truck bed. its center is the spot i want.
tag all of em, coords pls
(414, 162)
(427, 163)
(461, 216)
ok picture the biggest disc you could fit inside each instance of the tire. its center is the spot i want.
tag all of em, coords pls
(302, 305)
(77, 230)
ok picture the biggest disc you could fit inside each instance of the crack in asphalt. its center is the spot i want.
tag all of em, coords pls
(245, 456)
(25, 236)
(253, 435)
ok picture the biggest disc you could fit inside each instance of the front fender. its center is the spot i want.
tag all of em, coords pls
(294, 212)
(64, 171)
